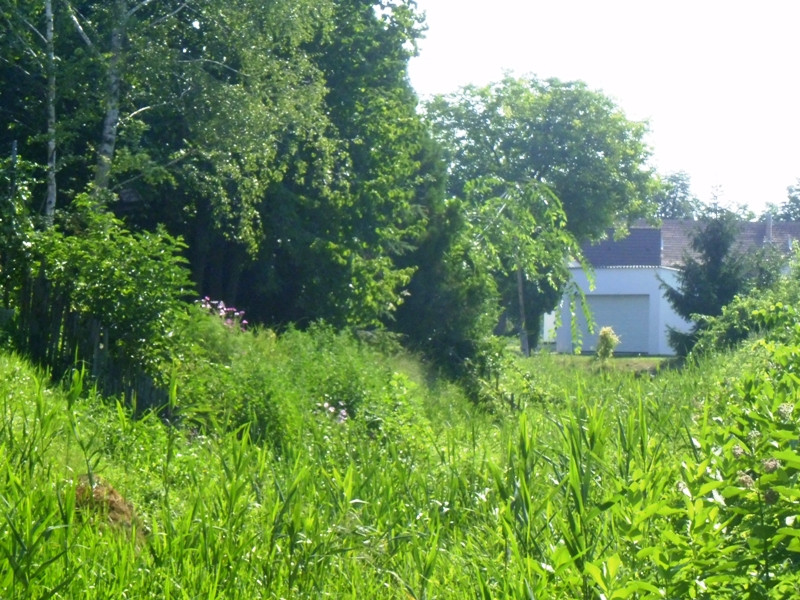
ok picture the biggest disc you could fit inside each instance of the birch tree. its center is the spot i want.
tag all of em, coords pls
(52, 188)
(112, 55)
(27, 58)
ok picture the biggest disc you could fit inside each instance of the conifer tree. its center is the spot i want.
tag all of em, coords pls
(714, 271)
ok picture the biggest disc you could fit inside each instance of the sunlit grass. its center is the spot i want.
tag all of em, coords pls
(597, 484)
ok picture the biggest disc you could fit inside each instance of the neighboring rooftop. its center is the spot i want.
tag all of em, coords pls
(665, 246)
(642, 247)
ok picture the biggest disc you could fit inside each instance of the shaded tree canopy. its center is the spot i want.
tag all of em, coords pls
(280, 140)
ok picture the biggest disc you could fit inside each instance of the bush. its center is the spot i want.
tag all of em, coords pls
(745, 316)
(607, 342)
(228, 378)
(739, 492)
(132, 285)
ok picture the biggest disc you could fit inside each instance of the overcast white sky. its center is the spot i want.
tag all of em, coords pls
(718, 81)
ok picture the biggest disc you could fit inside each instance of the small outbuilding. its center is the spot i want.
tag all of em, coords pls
(628, 275)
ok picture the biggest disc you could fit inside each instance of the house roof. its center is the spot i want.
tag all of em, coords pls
(676, 238)
(665, 246)
(781, 234)
(642, 247)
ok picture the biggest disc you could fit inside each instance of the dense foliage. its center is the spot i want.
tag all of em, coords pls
(353, 476)
(241, 128)
(746, 316)
(549, 162)
(94, 269)
(278, 147)
(273, 153)
(714, 272)
(572, 139)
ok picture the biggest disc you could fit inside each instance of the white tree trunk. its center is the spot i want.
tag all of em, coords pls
(50, 202)
(108, 139)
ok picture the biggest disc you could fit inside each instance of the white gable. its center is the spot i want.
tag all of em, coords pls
(631, 301)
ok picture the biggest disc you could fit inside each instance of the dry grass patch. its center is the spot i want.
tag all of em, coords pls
(98, 502)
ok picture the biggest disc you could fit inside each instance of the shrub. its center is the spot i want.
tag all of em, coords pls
(607, 342)
(86, 288)
(89, 289)
(738, 493)
(751, 314)
(229, 378)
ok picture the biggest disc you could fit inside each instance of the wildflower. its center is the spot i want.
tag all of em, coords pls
(744, 480)
(753, 436)
(738, 451)
(771, 496)
(785, 411)
(770, 465)
(484, 495)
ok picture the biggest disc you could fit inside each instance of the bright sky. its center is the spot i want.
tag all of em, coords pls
(718, 81)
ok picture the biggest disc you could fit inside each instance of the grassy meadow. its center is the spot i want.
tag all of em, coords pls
(311, 465)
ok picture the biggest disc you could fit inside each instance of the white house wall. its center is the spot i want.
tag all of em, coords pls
(628, 299)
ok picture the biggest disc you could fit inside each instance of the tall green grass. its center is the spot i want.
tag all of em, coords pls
(308, 465)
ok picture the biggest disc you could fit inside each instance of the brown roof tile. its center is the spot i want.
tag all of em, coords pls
(666, 246)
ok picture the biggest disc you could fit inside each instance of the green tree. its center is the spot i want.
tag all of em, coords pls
(81, 47)
(342, 232)
(178, 108)
(561, 134)
(674, 199)
(520, 229)
(451, 303)
(790, 209)
(281, 141)
(249, 110)
(573, 145)
(713, 273)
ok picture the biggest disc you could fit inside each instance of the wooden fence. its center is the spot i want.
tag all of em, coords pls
(59, 338)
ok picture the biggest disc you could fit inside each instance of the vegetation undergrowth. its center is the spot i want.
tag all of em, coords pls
(162, 449)
(308, 464)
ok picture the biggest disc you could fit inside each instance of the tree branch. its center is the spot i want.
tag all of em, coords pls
(26, 47)
(74, 18)
(174, 161)
(136, 8)
(167, 16)
(219, 64)
(32, 27)
(136, 112)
